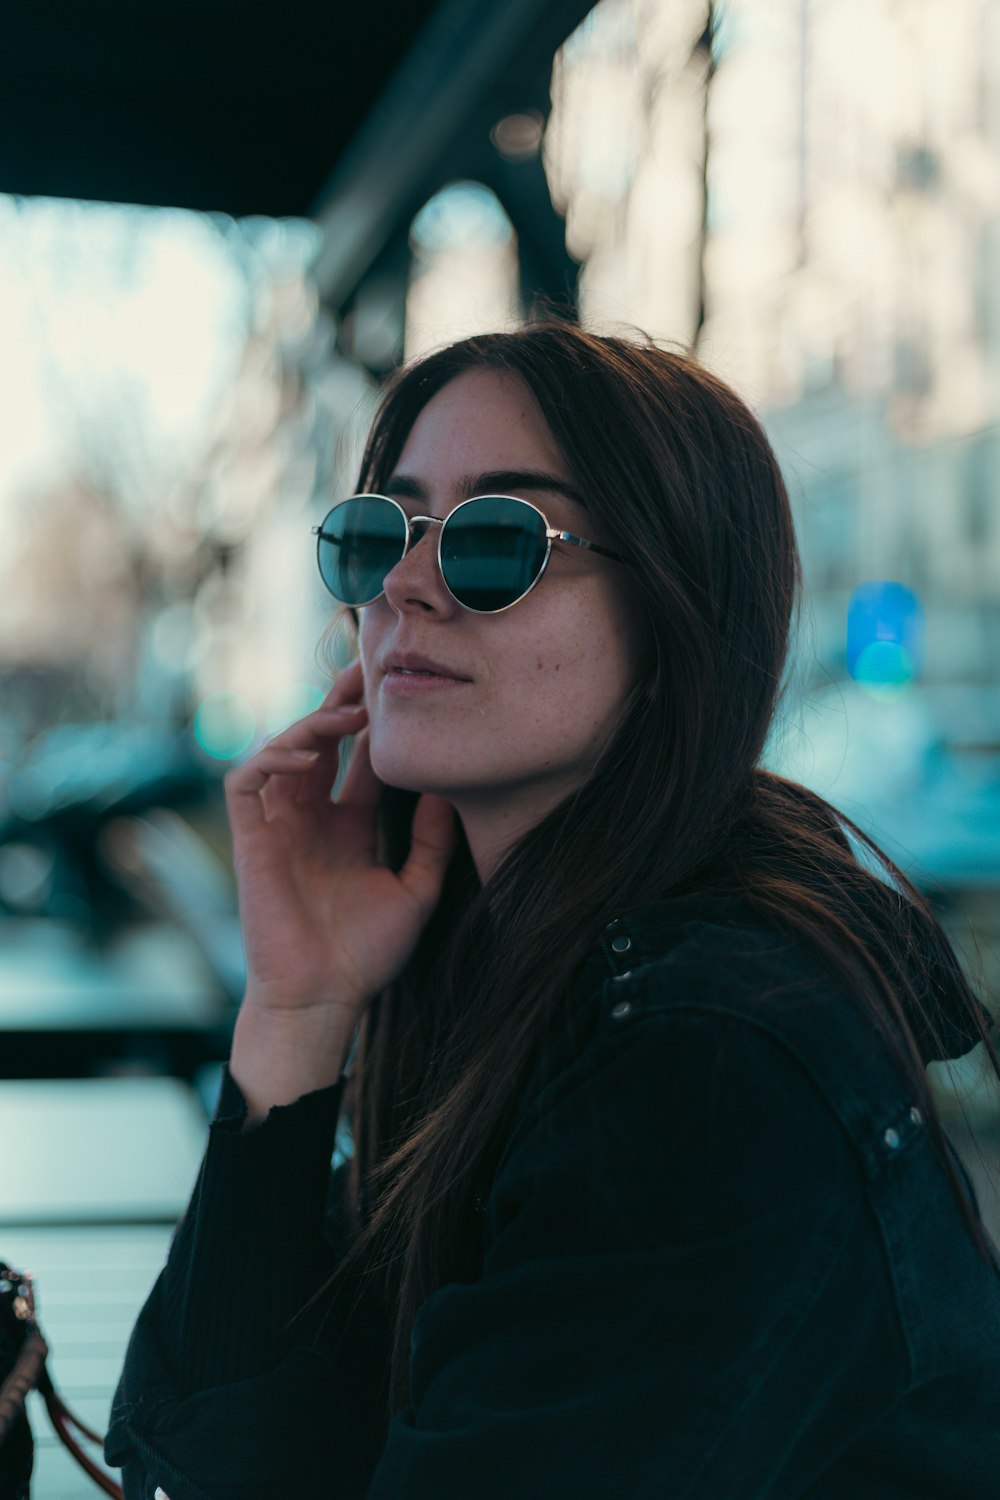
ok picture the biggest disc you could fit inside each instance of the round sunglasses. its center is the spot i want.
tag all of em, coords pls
(492, 549)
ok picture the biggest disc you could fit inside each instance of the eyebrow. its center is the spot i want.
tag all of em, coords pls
(493, 482)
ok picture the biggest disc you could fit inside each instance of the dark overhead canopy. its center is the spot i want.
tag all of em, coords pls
(350, 113)
(234, 105)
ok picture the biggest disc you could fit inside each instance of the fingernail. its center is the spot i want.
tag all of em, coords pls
(306, 754)
(353, 708)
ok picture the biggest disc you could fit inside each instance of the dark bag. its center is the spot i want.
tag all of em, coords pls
(23, 1352)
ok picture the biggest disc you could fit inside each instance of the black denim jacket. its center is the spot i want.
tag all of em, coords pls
(720, 1260)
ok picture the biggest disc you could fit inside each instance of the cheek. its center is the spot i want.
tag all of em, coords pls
(598, 644)
(583, 677)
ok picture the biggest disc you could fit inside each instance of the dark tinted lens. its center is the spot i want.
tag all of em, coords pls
(492, 550)
(359, 542)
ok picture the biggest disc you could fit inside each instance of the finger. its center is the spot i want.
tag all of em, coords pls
(433, 841)
(335, 719)
(320, 732)
(330, 728)
(361, 788)
(245, 784)
(306, 734)
(270, 765)
(356, 806)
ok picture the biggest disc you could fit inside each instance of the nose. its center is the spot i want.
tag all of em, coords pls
(415, 582)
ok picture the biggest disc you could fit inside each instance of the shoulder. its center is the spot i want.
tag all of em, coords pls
(680, 1119)
(675, 992)
(722, 942)
(718, 964)
(713, 958)
(696, 1020)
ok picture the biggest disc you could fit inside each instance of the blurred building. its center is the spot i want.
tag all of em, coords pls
(810, 193)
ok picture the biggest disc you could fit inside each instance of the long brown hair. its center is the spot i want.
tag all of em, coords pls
(676, 468)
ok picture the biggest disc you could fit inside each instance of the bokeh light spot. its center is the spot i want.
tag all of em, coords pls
(463, 214)
(885, 638)
(224, 725)
(518, 137)
(885, 670)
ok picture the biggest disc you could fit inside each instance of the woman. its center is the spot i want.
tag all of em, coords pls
(649, 1196)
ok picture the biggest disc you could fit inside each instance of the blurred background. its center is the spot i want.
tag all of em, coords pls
(807, 192)
(216, 242)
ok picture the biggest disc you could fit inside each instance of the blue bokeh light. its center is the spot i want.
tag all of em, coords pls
(224, 725)
(885, 638)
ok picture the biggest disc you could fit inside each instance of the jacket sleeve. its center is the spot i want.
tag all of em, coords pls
(229, 1391)
(684, 1292)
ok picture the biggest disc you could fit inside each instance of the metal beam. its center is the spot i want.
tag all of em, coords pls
(459, 75)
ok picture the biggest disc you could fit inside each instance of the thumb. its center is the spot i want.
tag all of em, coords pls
(433, 840)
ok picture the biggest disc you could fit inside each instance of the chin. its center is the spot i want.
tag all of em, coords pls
(409, 773)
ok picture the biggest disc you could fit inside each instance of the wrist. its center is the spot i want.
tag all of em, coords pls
(277, 1056)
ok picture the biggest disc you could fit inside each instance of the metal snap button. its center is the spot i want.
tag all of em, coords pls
(621, 1009)
(621, 944)
(916, 1116)
(891, 1138)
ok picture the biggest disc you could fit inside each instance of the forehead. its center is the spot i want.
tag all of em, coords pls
(482, 419)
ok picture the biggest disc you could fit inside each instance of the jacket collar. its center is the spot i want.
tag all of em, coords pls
(650, 933)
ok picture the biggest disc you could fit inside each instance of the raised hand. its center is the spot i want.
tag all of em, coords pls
(324, 926)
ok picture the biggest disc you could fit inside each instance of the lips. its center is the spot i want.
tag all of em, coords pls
(415, 662)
